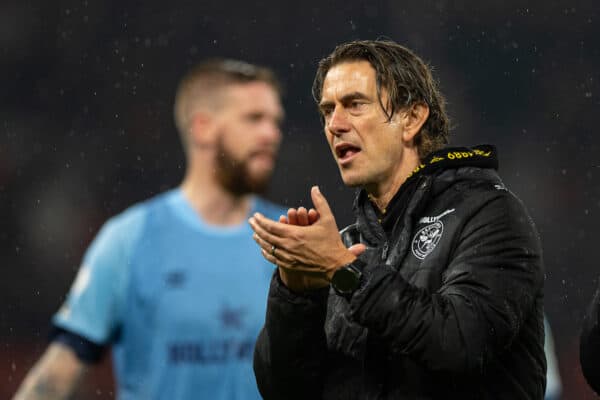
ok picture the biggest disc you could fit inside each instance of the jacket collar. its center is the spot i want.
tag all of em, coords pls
(437, 171)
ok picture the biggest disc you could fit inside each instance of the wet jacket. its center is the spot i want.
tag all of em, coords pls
(450, 304)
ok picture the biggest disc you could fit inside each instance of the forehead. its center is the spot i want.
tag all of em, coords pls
(347, 77)
(253, 95)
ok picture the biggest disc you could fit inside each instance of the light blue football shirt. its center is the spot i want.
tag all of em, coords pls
(181, 301)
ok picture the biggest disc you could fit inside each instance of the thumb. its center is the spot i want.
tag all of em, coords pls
(319, 201)
(357, 249)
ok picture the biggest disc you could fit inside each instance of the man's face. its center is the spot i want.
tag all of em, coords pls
(367, 148)
(249, 137)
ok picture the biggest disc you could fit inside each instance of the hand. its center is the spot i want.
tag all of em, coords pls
(300, 217)
(313, 251)
(298, 281)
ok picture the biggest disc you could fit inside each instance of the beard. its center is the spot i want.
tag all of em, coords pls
(235, 176)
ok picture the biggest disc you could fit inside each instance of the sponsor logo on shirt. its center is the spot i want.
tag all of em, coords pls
(218, 349)
(211, 352)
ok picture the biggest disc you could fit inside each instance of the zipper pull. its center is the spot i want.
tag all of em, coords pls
(384, 251)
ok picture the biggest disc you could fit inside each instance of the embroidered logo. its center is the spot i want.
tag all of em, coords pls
(426, 239)
(428, 220)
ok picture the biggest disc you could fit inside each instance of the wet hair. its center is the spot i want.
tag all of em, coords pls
(203, 85)
(406, 78)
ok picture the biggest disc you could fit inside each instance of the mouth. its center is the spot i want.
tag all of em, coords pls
(263, 157)
(265, 152)
(346, 152)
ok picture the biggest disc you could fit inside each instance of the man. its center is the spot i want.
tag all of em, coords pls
(172, 283)
(589, 345)
(436, 290)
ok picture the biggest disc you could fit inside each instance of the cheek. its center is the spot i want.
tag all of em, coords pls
(329, 138)
(235, 146)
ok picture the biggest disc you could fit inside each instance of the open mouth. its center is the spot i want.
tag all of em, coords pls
(345, 151)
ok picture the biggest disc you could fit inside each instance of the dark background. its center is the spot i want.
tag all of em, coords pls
(86, 92)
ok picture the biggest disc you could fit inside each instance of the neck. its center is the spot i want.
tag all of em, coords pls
(211, 201)
(381, 193)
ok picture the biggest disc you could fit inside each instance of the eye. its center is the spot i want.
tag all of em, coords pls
(356, 105)
(255, 117)
(326, 111)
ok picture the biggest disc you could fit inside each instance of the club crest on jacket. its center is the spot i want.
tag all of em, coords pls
(426, 239)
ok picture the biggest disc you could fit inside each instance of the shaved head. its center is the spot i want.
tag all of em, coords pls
(205, 87)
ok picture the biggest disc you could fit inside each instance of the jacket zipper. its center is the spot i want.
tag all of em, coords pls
(384, 251)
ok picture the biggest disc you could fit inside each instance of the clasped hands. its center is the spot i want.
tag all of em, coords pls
(305, 245)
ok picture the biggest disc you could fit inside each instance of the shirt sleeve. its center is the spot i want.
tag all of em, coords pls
(94, 305)
(86, 351)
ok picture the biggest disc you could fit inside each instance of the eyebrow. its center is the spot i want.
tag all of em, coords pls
(346, 99)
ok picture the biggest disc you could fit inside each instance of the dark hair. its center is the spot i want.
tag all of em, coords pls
(204, 82)
(406, 79)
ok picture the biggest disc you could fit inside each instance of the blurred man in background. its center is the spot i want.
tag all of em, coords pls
(437, 291)
(174, 284)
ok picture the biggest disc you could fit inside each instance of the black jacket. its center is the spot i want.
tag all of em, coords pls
(589, 347)
(450, 305)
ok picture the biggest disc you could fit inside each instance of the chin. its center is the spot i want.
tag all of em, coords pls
(260, 169)
(259, 182)
(261, 175)
(352, 181)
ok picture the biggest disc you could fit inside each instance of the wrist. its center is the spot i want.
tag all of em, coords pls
(347, 279)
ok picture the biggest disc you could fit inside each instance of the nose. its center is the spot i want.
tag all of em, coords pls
(271, 132)
(338, 122)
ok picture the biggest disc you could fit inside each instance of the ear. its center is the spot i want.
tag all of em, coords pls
(203, 130)
(414, 118)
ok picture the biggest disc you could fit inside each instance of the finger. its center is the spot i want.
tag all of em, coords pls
(283, 219)
(263, 244)
(278, 259)
(266, 246)
(267, 256)
(313, 216)
(302, 216)
(270, 226)
(320, 202)
(357, 249)
(292, 216)
(262, 234)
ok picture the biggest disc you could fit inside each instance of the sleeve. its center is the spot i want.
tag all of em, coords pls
(291, 348)
(87, 351)
(589, 346)
(94, 305)
(489, 287)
